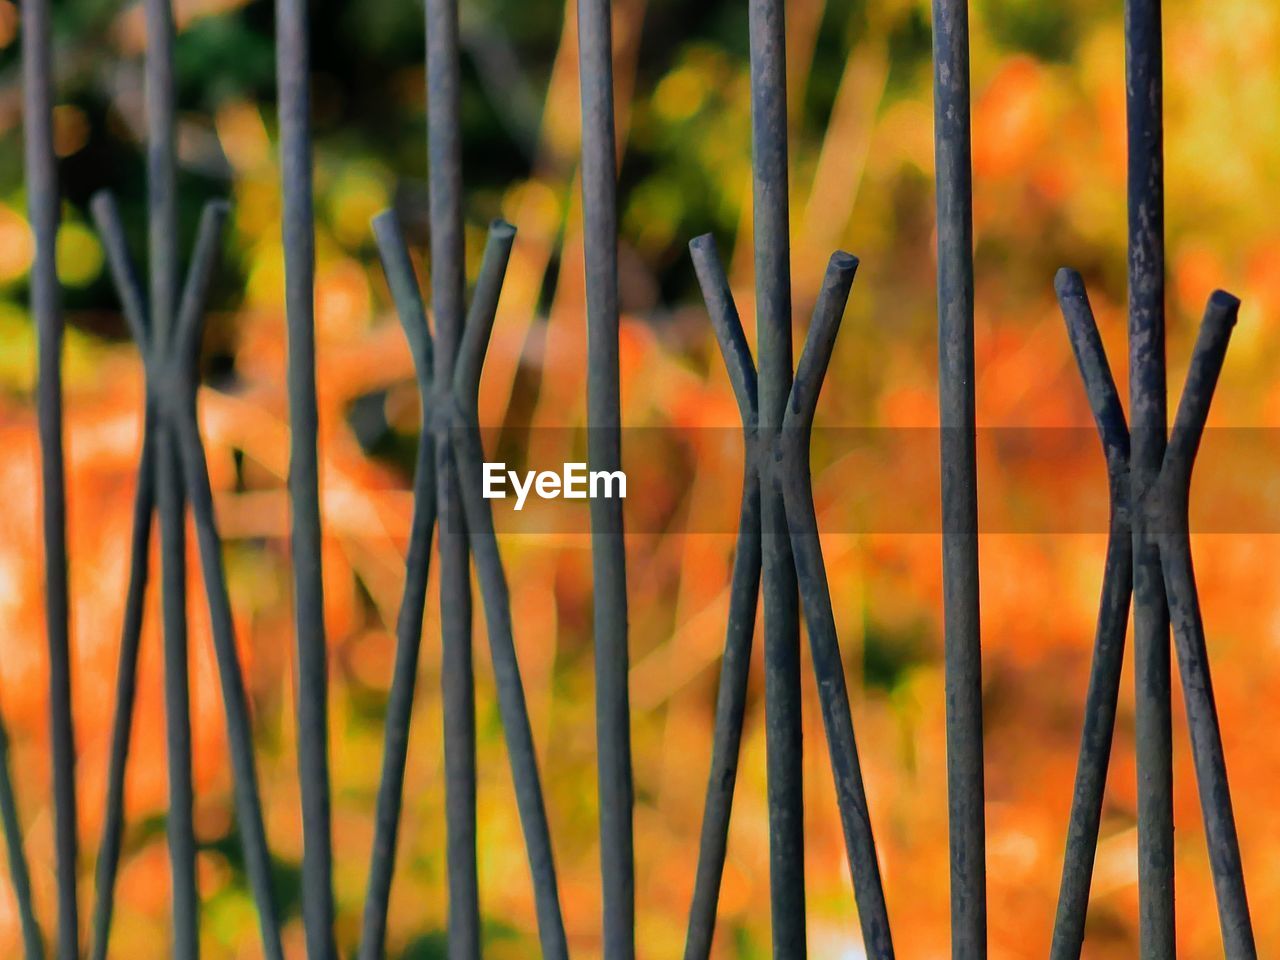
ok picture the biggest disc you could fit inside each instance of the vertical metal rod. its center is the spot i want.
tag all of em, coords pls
(162, 235)
(177, 697)
(1113, 621)
(293, 82)
(404, 288)
(604, 453)
(444, 152)
(1148, 421)
(963, 656)
(815, 593)
(783, 731)
(744, 595)
(19, 874)
(43, 209)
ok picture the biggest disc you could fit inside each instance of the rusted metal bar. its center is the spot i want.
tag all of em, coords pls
(1169, 515)
(468, 456)
(744, 594)
(604, 453)
(444, 152)
(107, 219)
(19, 873)
(792, 461)
(43, 210)
(1113, 621)
(404, 290)
(1148, 422)
(963, 644)
(783, 725)
(293, 84)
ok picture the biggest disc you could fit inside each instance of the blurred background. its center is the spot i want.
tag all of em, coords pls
(1049, 158)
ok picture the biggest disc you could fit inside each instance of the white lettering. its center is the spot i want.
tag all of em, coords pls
(548, 485)
(575, 481)
(522, 490)
(608, 480)
(494, 477)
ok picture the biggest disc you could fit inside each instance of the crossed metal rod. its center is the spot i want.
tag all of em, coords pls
(172, 471)
(171, 433)
(408, 302)
(451, 435)
(779, 464)
(1158, 505)
(1148, 548)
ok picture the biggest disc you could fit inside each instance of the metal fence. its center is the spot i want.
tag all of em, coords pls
(778, 554)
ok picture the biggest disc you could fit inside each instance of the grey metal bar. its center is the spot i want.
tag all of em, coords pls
(783, 725)
(177, 695)
(19, 874)
(1197, 393)
(744, 595)
(1095, 372)
(190, 318)
(124, 276)
(1206, 738)
(404, 289)
(181, 417)
(239, 733)
(731, 704)
(1147, 417)
(604, 452)
(480, 316)
(815, 594)
(162, 171)
(293, 83)
(468, 456)
(1113, 621)
(963, 643)
(126, 690)
(444, 151)
(1188, 626)
(43, 210)
(828, 312)
(163, 274)
(727, 326)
